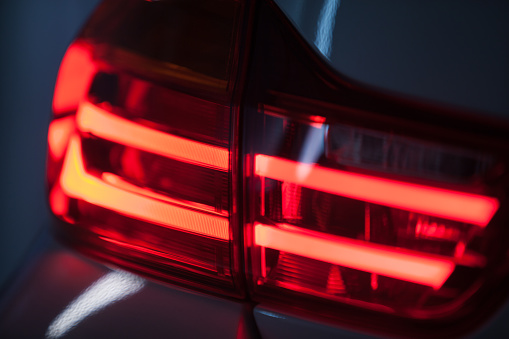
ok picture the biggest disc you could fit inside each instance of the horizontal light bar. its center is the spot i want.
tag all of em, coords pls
(470, 208)
(105, 125)
(118, 182)
(78, 184)
(396, 263)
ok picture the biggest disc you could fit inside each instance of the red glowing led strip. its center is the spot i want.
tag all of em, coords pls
(401, 264)
(448, 204)
(108, 126)
(77, 183)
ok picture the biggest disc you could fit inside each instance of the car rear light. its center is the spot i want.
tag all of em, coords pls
(357, 205)
(355, 200)
(140, 148)
(320, 222)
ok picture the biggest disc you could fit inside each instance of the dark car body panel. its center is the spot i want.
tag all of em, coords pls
(449, 52)
(55, 276)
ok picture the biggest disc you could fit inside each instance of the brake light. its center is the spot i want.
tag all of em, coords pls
(137, 203)
(361, 255)
(142, 170)
(459, 206)
(107, 126)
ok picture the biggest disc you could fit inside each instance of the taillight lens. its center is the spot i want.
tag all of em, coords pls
(351, 200)
(356, 201)
(140, 148)
(362, 236)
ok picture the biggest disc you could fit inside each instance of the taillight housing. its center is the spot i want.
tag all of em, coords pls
(141, 146)
(318, 193)
(367, 229)
(355, 199)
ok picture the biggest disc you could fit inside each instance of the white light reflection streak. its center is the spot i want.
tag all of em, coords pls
(107, 290)
(325, 27)
(311, 151)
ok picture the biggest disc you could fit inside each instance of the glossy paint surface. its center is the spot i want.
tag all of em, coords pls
(64, 295)
(276, 325)
(452, 52)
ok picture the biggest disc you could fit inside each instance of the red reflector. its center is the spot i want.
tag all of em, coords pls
(59, 133)
(76, 183)
(448, 204)
(103, 124)
(74, 78)
(391, 262)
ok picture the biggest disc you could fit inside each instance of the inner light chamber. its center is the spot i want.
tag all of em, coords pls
(354, 232)
(76, 183)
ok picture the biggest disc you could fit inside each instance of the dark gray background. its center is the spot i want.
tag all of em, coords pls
(34, 35)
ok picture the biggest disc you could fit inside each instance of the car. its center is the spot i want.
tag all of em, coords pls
(271, 169)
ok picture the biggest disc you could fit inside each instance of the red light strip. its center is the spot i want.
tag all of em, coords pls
(448, 204)
(383, 260)
(78, 184)
(108, 126)
(117, 181)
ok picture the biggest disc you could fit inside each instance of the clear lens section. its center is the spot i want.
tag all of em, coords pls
(368, 149)
(367, 218)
